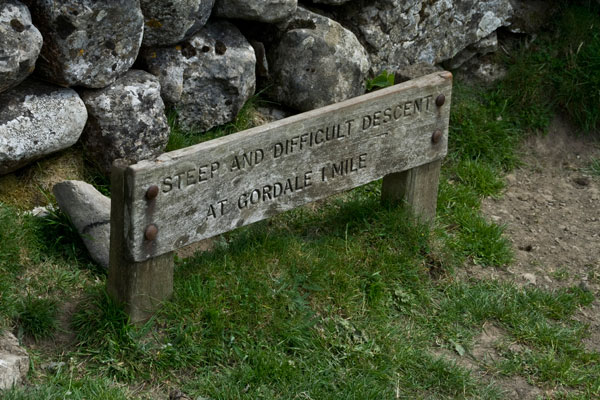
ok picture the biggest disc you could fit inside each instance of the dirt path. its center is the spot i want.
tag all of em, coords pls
(551, 210)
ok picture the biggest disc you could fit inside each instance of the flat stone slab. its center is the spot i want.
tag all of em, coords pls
(201, 191)
(89, 210)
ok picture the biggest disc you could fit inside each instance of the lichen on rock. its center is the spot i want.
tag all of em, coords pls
(37, 119)
(87, 42)
(20, 44)
(315, 62)
(168, 22)
(207, 78)
(126, 120)
(397, 33)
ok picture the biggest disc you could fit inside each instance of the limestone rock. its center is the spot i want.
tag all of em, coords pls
(37, 119)
(403, 32)
(487, 45)
(168, 22)
(316, 62)
(414, 71)
(208, 78)
(256, 10)
(87, 42)
(20, 44)
(330, 2)
(126, 120)
(89, 210)
(14, 361)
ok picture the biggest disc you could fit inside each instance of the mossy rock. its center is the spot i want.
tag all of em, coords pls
(31, 186)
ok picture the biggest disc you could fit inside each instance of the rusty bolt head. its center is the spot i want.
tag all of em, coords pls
(437, 135)
(440, 100)
(152, 192)
(151, 232)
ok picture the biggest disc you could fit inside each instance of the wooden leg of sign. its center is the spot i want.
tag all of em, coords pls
(139, 286)
(417, 187)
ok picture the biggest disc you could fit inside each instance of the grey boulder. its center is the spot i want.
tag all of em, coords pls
(330, 2)
(168, 22)
(14, 361)
(89, 211)
(256, 10)
(399, 32)
(126, 120)
(487, 45)
(37, 119)
(414, 71)
(315, 62)
(87, 42)
(20, 44)
(208, 78)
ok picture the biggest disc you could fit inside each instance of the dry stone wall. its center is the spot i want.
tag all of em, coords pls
(205, 58)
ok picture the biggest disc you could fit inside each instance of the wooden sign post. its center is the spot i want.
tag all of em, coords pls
(398, 133)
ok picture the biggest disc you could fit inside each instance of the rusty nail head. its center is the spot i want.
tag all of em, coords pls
(437, 135)
(152, 192)
(151, 232)
(440, 100)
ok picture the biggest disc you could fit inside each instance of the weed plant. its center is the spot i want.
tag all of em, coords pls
(36, 317)
(594, 167)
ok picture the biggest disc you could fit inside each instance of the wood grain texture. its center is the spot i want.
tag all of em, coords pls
(217, 186)
(139, 286)
(418, 187)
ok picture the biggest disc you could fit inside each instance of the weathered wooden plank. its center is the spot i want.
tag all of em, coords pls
(216, 186)
(418, 187)
(139, 286)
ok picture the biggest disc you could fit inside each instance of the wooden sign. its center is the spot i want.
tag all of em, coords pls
(204, 190)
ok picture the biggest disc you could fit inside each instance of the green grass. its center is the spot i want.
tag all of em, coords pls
(330, 303)
(11, 238)
(577, 75)
(303, 303)
(348, 299)
(483, 142)
(559, 71)
(42, 261)
(484, 128)
(36, 317)
(594, 167)
(63, 385)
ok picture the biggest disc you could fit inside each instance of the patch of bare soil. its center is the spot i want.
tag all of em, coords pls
(551, 210)
(64, 337)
